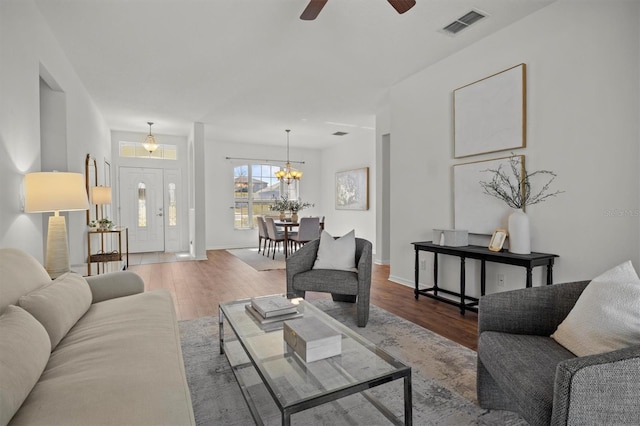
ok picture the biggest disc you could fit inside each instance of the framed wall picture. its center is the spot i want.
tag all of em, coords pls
(497, 239)
(474, 210)
(352, 189)
(490, 114)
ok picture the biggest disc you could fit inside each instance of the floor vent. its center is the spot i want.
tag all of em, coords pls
(463, 22)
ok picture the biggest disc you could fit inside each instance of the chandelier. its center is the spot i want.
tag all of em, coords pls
(150, 142)
(288, 174)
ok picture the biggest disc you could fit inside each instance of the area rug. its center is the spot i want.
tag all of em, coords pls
(443, 377)
(257, 261)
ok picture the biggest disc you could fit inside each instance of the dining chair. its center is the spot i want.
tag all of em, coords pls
(262, 234)
(308, 230)
(274, 236)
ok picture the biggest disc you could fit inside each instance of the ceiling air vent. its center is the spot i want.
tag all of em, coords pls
(340, 133)
(463, 22)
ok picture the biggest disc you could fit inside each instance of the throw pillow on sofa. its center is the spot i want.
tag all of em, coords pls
(339, 254)
(606, 316)
(59, 305)
(24, 352)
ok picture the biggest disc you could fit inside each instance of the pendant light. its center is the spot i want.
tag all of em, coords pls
(288, 174)
(150, 142)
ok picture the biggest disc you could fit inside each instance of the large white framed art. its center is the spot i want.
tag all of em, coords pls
(474, 210)
(490, 114)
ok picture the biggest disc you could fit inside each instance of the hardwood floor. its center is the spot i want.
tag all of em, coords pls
(198, 286)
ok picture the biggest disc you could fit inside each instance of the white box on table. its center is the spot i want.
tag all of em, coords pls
(451, 237)
(312, 339)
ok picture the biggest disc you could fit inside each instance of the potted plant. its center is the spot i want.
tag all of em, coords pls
(280, 205)
(295, 206)
(515, 189)
(104, 224)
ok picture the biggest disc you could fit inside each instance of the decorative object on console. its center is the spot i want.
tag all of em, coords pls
(515, 190)
(497, 239)
(55, 192)
(451, 237)
(102, 224)
(473, 210)
(352, 189)
(490, 114)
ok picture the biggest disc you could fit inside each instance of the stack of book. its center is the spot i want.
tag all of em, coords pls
(272, 308)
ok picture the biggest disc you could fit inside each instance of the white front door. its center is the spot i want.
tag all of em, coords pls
(142, 208)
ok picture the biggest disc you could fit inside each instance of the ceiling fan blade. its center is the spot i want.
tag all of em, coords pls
(401, 6)
(312, 10)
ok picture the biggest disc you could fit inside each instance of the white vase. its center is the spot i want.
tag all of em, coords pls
(519, 233)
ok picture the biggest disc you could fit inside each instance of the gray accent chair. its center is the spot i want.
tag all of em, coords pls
(344, 286)
(522, 369)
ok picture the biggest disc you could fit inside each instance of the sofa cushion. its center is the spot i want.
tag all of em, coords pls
(338, 253)
(21, 273)
(606, 316)
(24, 352)
(524, 367)
(121, 364)
(59, 305)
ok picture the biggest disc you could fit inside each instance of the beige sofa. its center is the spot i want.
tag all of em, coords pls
(94, 351)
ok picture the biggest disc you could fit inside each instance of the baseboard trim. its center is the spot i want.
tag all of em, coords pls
(402, 281)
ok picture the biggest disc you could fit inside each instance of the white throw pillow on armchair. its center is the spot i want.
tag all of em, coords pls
(338, 254)
(606, 316)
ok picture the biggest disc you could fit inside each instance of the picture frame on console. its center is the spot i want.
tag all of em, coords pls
(497, 239)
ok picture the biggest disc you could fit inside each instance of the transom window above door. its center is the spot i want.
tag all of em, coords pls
(137, 150)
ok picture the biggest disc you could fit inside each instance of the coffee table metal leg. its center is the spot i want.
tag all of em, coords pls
(408, 402)
(221, 330)
(286, 419)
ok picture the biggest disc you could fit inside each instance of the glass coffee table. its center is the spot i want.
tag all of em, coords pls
(268, 370)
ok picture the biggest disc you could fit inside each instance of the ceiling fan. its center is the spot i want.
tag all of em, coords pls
(315, 6)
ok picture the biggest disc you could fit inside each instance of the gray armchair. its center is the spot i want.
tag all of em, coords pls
(522, 369)
(344, 286)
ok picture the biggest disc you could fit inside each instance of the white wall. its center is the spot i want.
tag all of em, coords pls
(583, 83)
(219, 188)
(347, 155)
(27, 51)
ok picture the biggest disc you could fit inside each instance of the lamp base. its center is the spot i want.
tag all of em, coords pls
(57, 262)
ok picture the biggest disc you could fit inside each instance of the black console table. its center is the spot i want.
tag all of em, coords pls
(528, 261)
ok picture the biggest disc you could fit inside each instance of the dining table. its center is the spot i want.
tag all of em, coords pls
(287, 225)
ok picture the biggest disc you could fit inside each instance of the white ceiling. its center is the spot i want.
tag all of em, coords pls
(249, 69)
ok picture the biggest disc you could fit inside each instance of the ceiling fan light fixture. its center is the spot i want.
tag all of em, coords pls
(150, 142)
(402, 6)
(314, 7)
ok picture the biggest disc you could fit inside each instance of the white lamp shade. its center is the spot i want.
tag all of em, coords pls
(54, 191)
(101, 195)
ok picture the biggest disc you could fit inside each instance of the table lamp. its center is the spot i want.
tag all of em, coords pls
(55, 192)
(101, 195)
